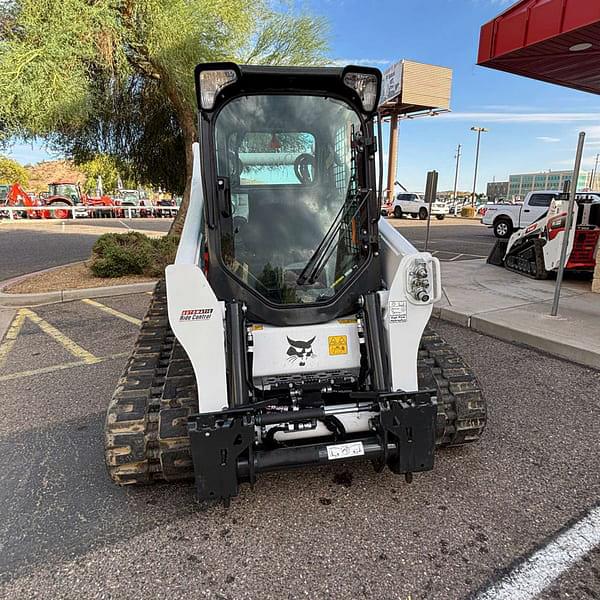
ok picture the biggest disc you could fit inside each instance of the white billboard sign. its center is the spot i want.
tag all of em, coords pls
(391, 83)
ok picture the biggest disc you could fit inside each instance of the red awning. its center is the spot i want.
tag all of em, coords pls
(553, 40)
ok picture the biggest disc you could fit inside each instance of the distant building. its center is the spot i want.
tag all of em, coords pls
(520, 185)
(497, 190)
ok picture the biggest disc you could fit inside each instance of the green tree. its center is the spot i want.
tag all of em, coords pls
(67, 66)
(13, 172)
(109, 169)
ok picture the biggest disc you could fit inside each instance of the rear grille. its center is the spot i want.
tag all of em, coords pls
(583, 255)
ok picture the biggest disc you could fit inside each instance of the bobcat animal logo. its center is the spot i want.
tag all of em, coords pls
(300, 350)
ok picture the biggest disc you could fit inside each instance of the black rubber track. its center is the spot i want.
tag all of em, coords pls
(529, 261)
(462, 412)
(146, 435)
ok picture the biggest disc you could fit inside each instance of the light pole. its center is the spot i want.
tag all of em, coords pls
(594, 173)
(479, 131)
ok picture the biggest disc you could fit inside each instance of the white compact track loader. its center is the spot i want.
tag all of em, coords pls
(535, 251)
(292, 329)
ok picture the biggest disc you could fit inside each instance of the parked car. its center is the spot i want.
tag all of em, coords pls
(504, 219)
(164, 212)
(413, 204)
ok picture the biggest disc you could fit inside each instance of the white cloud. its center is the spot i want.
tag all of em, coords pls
(548, 140)
(519, 117)
(342, 62)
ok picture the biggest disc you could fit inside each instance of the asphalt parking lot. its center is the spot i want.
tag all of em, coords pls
(24, 251)
(26, 248)
(451, 239)
(334, 532)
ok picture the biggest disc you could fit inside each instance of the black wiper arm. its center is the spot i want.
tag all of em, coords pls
(320, 257)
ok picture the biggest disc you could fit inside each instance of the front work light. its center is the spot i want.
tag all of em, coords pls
(211, 83)
(365, 85)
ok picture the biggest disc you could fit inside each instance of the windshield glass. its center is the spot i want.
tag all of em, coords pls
(293, 182)
(67, 190)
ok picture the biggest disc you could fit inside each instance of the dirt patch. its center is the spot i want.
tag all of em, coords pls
(71, 277)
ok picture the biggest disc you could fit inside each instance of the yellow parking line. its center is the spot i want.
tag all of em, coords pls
(44, 370)
(113, 312)
(68, 344)
(11, 336)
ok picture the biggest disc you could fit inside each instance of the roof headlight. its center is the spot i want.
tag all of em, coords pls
(211, 83)
(365, 85)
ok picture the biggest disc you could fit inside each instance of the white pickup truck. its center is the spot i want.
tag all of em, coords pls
(411, 203)
(506, 218)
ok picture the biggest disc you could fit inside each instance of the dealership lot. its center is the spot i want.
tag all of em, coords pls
(336, 532)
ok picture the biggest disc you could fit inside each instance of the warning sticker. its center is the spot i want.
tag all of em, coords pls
(397, 311)
(338, 344)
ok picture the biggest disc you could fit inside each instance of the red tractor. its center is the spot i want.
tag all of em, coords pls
(15, 196)
(65, 194)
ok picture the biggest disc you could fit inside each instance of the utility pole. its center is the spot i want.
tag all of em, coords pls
(479, 131)
(457, 157)
(594, 173)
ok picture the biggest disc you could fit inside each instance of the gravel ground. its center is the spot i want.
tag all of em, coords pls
(339, 531)
(76, 276)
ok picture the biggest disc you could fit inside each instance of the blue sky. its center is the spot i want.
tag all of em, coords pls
(533, 125)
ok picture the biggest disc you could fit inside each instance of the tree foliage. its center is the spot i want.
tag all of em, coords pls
(12, 172)
(109, 169)
(116, 76)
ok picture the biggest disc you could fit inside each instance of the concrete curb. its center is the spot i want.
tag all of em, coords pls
(23, 300)
(486, 326)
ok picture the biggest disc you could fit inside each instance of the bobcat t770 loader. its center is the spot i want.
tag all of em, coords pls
(536, 250)
(292, 329)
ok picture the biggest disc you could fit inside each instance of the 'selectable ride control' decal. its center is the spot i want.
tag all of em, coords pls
(196, 314)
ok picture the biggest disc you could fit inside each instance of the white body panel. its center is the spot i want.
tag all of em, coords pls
(196, 317)
(404, 318)
(326, 347)
(195, 314)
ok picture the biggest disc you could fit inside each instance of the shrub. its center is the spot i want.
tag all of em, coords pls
(133, 253)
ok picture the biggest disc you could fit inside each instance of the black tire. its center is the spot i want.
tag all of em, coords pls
(54, 214)
(422, 214)
(146, 436)
(398, 212)
(462, 412)
(503, 228)
(440, 217)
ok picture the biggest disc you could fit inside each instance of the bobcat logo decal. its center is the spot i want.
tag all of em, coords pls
(300, 350)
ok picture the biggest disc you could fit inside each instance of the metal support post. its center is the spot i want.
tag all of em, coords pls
(430, 195)
(568, 225)
(392, 157)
